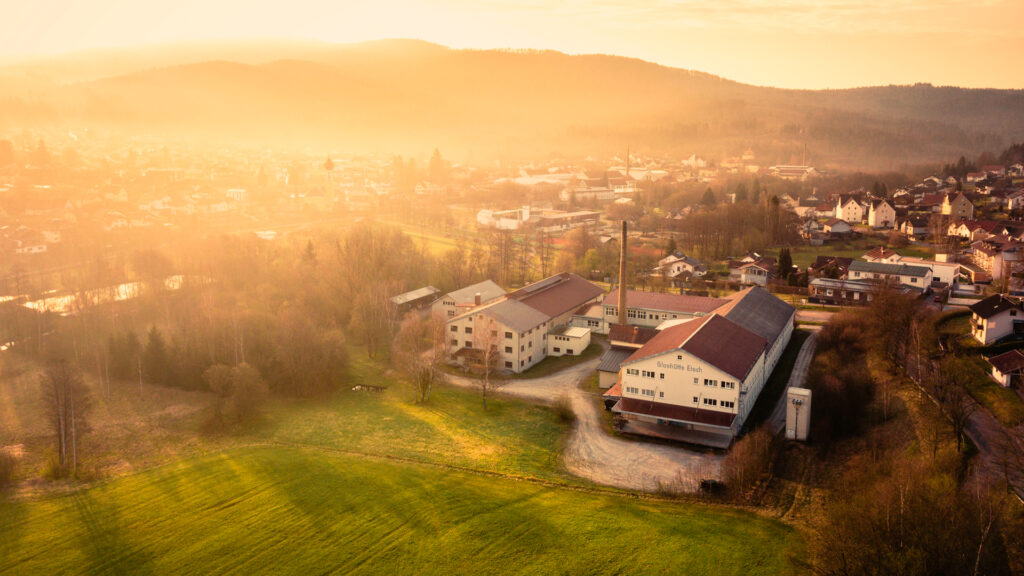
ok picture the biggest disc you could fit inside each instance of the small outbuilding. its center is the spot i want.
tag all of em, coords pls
(568, 340)
(1006, 366)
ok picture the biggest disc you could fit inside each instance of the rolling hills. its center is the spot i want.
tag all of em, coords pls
(406, 96)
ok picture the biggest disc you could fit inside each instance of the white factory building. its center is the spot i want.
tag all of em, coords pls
(704, 374)
(523, 327)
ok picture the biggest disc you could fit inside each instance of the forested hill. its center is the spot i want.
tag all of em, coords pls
(407, 96)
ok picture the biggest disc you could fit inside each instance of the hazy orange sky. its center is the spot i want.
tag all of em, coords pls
(786, 43)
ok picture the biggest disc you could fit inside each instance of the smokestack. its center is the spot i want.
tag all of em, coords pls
(622, 276)
(476, 299)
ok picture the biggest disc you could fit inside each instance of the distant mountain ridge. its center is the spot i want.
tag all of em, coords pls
(408, 96)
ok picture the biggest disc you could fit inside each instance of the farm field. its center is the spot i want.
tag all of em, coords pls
(299, 511)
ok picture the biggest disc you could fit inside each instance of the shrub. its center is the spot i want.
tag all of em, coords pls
(563, 408)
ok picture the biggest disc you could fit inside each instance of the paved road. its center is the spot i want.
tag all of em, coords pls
(823, 316)
(796, 378)
(591, 453)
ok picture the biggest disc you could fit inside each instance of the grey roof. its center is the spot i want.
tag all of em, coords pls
(515, 315)
(488, 291)
(612, 358)
(850, 284)
(760, 312)
(413, 295)
(883, 268)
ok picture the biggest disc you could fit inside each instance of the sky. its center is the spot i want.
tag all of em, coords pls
(784, 43)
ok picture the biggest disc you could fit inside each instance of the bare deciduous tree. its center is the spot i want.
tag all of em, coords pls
(66, 404)
(420, 351)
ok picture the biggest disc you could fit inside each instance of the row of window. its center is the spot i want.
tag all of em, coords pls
(713, 402)
(715, 383)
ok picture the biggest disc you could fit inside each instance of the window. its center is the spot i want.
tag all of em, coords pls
(508, 364)
(913, 280)
(558, 349)
(469, 330)
(521, 363)
(529, 358)
(661, 375)
(632, 371)
(632, 390)
(531, 343)
(455, 342)
(708, 382)
(679, 357)
(508, 349)
(728, 404)
(695, 381)
(494, 333)
(469, 344)
(646, 392)
(648, 374)
(661, 394)
(522, 348)
(451, 313)
(593, 323)
(729, 385)
(455, 328)
(696, 399)
(508, 335)
(710, 402)
(568, 350)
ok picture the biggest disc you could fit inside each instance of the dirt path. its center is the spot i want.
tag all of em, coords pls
(592, 454)
(796, 378)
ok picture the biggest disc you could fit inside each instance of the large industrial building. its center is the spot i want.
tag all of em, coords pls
(704, 374)
(516, 327)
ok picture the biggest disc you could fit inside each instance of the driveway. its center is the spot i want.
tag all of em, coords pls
(592, 454)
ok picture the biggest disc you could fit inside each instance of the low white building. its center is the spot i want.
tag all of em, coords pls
(650, 309)
(568, 341)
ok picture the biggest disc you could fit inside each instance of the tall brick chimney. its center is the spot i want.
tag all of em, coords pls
(622, 276)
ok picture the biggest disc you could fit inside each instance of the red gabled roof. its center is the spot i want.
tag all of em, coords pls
(714, 339)
(880, 253)
(668, 339)
(558, 294)
(630, 334)
(1012, 361)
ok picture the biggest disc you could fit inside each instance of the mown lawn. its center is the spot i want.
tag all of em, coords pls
(1003, 403)
(275, 510)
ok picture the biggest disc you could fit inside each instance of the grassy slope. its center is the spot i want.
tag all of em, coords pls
(511, 437)
(803, 254)
(281, 510)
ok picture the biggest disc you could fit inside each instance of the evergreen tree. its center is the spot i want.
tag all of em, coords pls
(671, 248)
(785, 263)
(709, 197)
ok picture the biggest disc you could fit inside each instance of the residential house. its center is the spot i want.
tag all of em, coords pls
(837, 228)
(881, 214)
(840, 292)
(996, 317)
(957, 206)
(678, 267)
(916, 277)
(914, 227)
(850, 209)
(881, 254)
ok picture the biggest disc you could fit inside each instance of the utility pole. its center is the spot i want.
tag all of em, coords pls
(140, 377)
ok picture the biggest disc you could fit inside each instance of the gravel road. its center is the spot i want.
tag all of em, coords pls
(592, 454)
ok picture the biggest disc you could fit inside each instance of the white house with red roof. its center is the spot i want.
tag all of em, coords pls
(704, 375)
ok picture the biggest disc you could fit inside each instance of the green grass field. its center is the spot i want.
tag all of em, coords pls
(803, 255)
(1003, 403)
(275, 510)
(511, 437)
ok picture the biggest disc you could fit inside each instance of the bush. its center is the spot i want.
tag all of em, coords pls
(563, 408)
